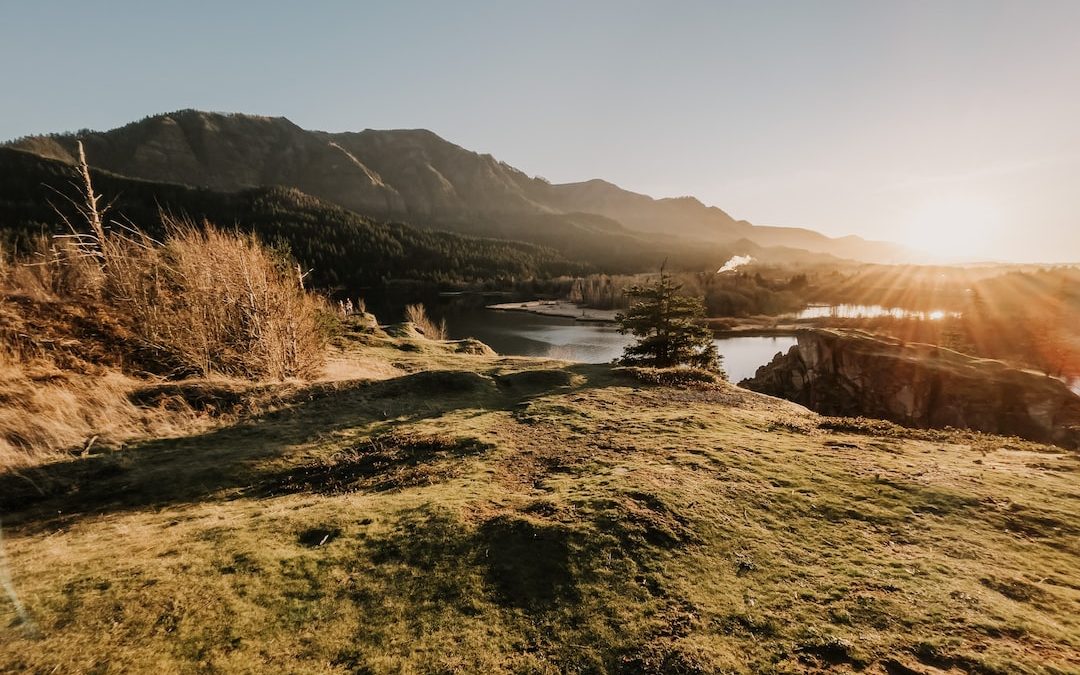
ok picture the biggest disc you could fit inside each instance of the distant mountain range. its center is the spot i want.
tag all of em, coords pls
(415, 176)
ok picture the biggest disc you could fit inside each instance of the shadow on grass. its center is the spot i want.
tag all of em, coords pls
(385, 462)
(519, 562)
(230, 461)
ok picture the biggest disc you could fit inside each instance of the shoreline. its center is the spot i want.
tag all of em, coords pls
(559, 308)
(569, 310)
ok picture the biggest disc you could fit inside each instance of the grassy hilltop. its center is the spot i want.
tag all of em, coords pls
(452, 512)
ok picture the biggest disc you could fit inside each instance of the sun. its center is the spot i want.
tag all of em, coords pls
(953, 227)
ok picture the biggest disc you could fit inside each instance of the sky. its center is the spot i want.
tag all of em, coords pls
(950, 126)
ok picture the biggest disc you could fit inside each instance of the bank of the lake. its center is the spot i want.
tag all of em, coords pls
(528, 333)
(563, 308)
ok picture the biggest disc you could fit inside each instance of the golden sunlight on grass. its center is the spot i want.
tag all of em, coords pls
(488, 514)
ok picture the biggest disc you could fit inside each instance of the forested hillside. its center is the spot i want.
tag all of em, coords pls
(415, 176)
(344, 250)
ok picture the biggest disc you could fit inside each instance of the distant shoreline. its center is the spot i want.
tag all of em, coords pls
(569, 310)
(560, 308)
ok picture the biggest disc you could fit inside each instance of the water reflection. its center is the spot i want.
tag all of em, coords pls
(523, 334)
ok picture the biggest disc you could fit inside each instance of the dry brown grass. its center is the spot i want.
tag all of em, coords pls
(58, 391)
(202, 304)
(46, 412)
(53, 268)
(83, 314)
(217, 303)
(417, 315)
(204, 301)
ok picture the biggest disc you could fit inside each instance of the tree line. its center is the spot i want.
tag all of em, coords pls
(343, 250)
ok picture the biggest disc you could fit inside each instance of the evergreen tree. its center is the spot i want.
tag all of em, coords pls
(667, 327)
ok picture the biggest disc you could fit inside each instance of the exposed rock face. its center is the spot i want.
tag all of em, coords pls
(852, 373)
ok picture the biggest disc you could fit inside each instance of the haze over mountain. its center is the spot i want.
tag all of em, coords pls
(416, 176)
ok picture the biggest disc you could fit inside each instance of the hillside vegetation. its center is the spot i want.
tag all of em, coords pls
(88, 316)
(354, 252)
(415, 176)
(206, 467)
(343, 250)
(467, 513)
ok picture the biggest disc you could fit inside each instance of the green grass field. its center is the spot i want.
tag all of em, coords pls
(485, 514)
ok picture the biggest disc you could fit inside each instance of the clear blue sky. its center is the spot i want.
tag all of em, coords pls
(905, 120)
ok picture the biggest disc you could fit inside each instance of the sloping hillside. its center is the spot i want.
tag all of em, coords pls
(352, 251)
(689, 217)
(476, 513)
(405, 174)
(343, 249)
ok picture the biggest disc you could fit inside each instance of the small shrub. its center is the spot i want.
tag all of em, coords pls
(673, 377)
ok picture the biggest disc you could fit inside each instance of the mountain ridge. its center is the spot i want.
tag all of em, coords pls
(344, 250)
(352, 252)
(410, 174)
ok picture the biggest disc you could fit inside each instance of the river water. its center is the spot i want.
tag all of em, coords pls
(524, 334)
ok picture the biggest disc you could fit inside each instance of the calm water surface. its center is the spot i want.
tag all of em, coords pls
(523, 334)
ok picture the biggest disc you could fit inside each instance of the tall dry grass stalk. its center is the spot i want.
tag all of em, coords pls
(91, 211)
(418, 317)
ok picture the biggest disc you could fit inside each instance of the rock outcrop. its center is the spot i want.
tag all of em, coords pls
(854, 373)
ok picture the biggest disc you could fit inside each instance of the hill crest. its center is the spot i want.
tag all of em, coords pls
(409, 174)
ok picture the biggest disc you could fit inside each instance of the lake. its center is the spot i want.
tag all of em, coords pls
(524, 334)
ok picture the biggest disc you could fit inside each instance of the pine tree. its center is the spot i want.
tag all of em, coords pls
(667, 327)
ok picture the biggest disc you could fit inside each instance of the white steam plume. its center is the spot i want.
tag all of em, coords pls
(736, 261)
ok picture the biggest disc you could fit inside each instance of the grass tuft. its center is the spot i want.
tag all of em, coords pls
(417, 315)
(673, 377)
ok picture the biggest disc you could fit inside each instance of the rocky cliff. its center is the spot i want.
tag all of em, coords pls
(853, 373)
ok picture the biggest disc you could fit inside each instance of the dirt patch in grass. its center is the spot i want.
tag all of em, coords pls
(645, 519)
(827, 650)
(1038, 523)
(315, 537)
(386, 462)
(1016, 589)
